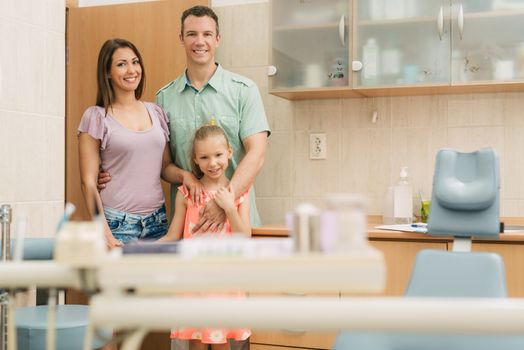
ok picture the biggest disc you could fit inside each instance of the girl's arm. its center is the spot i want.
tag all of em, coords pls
(239, 220)
(173, 174)
(89, 157)
(177, 224)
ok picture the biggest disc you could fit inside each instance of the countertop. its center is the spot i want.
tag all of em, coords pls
(280, 230)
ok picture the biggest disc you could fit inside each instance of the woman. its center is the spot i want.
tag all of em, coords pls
(128, 138)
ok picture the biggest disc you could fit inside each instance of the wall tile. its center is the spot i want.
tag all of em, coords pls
(25, 158)
(272, 210)
(358, 112)
(54, 75)
(280, 113)
(365, 161)
(27, 11)
(250, 47)
(53, 154)
(418, 111)
(475, 109)
(513, 105)
(275, 178)
(42, 217)
(315, 177)
(512, 207)
(224, 53)
(514, 164)
(317, 115)
(55, 15)
(23, 85)
(32, 69)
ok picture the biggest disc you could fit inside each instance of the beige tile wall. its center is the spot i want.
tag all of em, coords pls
(363, 156)
(32, 108)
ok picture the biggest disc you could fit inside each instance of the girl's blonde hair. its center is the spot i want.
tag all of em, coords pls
(201, 134)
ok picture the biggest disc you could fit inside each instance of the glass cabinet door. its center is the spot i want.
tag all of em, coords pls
(487, 40)
(402, 42)
(310, 43)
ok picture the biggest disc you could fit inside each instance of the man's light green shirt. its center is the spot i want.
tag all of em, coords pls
(231, 100)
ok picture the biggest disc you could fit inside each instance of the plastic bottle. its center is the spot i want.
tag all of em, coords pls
(370, 58)
(403, 199)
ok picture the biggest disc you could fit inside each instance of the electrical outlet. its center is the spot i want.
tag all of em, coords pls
(317, 146)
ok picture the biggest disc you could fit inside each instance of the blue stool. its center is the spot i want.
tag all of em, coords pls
(71, 323)
(31, 322)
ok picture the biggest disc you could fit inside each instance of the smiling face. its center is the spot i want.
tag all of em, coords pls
(125, 71)
(212, 155)
(200, 40)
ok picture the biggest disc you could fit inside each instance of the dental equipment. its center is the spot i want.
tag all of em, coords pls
(5, 221)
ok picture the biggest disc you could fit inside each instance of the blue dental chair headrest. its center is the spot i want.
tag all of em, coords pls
(466, 189)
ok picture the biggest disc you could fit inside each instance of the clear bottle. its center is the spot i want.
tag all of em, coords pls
(403, 199)
(370, 60)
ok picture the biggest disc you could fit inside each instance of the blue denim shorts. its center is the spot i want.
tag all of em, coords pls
(128, 227)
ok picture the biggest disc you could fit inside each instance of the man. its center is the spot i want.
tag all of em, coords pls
(207, 93)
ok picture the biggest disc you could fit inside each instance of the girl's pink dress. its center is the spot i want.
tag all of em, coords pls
(209, 335)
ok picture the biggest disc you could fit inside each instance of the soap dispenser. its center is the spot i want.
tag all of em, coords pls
(403, 199)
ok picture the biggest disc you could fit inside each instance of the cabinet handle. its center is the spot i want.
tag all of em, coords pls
(271, 70)
(341, 30)
(460, 21)
(440, 23)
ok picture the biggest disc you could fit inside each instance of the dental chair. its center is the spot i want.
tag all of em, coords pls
(465, 203)
(31, 322)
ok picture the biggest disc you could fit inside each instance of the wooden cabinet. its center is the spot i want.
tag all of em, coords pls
(513, 256)
(400, 257)
(396, 47)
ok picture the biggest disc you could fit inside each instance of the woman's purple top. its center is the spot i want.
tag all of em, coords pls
(132, 158)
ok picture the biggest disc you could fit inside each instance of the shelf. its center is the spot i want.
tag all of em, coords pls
(398, 90)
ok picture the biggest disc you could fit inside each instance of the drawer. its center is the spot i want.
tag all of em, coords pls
(272, 347)
(293, 338)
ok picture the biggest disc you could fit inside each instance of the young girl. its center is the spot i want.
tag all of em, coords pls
(210, 155)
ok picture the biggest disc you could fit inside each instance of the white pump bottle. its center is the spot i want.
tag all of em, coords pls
(403, 199)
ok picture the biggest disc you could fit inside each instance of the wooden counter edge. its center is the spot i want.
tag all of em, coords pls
(277, 230)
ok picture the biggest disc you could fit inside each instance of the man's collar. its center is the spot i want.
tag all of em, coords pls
(214, 81)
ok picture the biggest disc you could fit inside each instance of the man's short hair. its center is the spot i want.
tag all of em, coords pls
(198, 11)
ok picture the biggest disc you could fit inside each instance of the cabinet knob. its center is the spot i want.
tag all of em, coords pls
(271, 70)
(356, 66)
